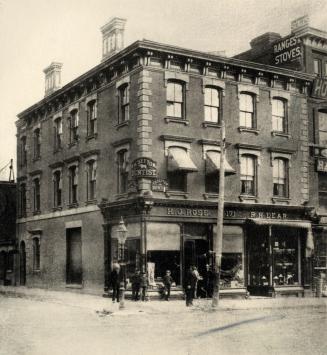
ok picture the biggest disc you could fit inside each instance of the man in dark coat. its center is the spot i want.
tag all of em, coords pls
(167, 281)
(136, 284)
(189, 286)
(115, 279)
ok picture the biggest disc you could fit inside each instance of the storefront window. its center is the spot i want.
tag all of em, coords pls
(232, 265)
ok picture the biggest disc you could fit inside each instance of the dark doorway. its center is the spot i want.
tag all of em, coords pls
(195, 254)
(3, 267)
(22, 264)
(166, 260)
(74, 271)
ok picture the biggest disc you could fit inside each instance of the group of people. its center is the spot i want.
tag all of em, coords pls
(194, 284)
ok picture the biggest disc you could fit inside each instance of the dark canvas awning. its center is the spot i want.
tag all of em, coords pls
(178, 159)
(213, 164)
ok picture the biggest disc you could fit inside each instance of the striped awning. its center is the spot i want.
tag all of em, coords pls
(213, 164)
(179, 160)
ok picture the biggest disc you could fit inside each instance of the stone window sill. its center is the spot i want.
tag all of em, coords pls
(121, 196)
(91, 202)
(35, 213)
(283, 200)
(209, 195)
(122, 124)
(177, 193)
(91, 136)
(210, 124)
(280, 134)
(249, 130)
(57, 150)
(177, 120)
(36, 271)
(58, 208)
(73, 205)
(72, 144)
(245, 198)
(36, 159)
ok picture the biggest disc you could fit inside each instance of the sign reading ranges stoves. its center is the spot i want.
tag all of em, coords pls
(144, 168)
(287, 50)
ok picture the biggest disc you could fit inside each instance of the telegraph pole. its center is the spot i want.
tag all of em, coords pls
(218, 239)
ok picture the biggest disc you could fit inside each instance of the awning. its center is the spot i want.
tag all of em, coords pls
(309, 247)
(213, 164)
(179, 160)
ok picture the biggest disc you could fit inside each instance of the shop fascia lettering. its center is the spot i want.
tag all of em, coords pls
(287, 50)
(268, 215)
(189, 212)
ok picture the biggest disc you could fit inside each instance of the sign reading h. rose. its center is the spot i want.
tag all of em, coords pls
(144, 167)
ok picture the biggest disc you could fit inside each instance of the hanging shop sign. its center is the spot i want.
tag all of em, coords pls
(144, 168)
(287, 50)
(322, 165)
(159, 185)
(319, 88)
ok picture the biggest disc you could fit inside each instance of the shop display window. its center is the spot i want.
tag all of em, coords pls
(285, 259)
(232, 275)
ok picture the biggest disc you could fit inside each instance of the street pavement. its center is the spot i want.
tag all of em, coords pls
(34, 321)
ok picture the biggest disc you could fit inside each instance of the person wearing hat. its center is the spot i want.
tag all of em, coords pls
(167, 281)
(136, 284)
(143, 285)
(115, 279)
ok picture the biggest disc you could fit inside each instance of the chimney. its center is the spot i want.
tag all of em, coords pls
(112, 37)
(52, 78)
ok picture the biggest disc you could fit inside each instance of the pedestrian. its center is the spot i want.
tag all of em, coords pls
(208, 281)
(144, 285)
(167, 281)
(136, 284)
(198, 277)
(115, 282)
(189, 286)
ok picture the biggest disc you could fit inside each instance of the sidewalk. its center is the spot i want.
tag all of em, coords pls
(104, 305)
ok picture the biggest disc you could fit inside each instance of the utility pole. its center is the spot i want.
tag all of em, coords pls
(218, 239)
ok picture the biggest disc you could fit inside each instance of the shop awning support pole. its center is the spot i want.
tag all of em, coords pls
(218, 239)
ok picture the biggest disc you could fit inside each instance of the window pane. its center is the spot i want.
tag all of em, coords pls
(246, 103)
(170, 92)
(178, 92)
(170, 109)
(177, 110)
(207, 96)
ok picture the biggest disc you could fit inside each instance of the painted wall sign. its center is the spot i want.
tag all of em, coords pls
(322, 165)
(287, 50)
(159, 185)
(144, 167)
(319, 87)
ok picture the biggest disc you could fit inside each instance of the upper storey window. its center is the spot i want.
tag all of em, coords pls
(123, 115)
(58, 133)
(73, 126)
(175, 100)
(57, 188)
(322, 128)
(248, 175)
(247, 110)
(280, 177)
(122, 170)
(37, 143)
(91, 171)
(317, 67)
(279, 115)
(23, 151)
(211, 105)
(92, 118)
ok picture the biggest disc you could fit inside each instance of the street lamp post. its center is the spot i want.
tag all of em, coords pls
(218, 240)
(122, 235)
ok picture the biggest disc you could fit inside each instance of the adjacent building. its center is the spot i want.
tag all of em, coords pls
(138, 137)
(8, 248)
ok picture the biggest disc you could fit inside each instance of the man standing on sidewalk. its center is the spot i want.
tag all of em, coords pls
(167, 281)
(189, 286)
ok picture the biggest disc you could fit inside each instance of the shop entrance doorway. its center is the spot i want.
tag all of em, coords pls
(195, 254)
(74, 256)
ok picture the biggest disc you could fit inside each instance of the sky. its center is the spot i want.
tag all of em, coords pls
(33, 33)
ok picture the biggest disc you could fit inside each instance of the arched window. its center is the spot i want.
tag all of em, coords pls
(91, 118)
(175, 99)
(248, 175)
(91, 171)
(247, 110)
(122, 171)
(123, 115)
(73, 184)
(211, 105)
(37, 143)
(57, 188)
(279, 115)
(36, 254)
(36, 195)
(280, 177)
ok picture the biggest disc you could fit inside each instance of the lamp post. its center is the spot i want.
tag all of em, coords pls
(122, 235)
(218, 241)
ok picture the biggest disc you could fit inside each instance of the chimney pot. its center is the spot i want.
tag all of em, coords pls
(112, 37)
